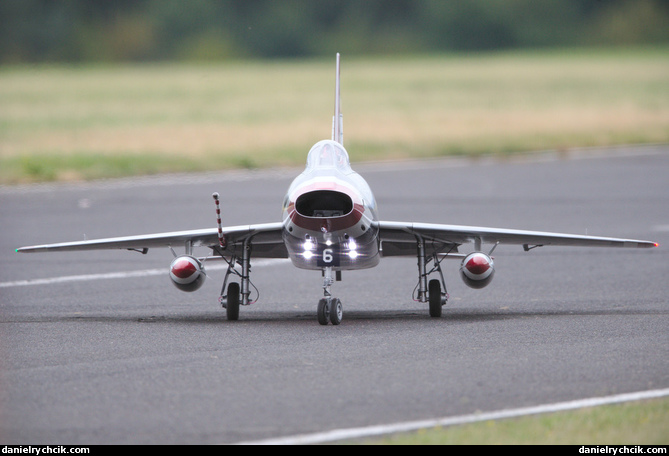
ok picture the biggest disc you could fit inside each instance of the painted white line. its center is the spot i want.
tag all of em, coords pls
(123, 275)
(371, 431)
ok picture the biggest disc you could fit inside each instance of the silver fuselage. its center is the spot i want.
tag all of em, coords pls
(329, 214)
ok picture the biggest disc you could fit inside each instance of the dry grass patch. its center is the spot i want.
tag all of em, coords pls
(198, 117)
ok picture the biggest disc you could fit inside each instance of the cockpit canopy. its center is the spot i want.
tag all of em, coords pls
(329, 154)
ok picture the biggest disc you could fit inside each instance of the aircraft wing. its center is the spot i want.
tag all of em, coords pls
(400, 238)
(266, 240)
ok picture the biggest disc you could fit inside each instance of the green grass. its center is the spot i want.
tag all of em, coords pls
(89, 122)
(633, 423)
(45, 167)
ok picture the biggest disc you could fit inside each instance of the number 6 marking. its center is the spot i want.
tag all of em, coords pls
(327, 256)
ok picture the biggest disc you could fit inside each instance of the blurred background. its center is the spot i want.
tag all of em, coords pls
(96, 88)
(158, 30)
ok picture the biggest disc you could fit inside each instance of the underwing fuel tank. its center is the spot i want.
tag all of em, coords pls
(187, 273)
(477, 270)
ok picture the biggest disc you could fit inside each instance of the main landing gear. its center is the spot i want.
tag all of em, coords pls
(237, 293)
(329, 308)
(430, 292)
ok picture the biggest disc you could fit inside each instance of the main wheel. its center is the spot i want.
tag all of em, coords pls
(336, 311)
(323, 312)
(434, 294)
(233, 301)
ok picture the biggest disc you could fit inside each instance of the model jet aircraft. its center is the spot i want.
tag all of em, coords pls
(329, 223)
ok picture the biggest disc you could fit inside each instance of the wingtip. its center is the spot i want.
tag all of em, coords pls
(27, 249)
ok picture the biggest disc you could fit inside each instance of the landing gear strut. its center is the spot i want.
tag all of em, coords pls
(431, 293)
(237, 294)
(329, 309)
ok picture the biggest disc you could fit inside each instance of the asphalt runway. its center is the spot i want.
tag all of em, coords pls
(100, 348)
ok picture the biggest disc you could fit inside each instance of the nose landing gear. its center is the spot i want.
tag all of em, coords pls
(329, 309)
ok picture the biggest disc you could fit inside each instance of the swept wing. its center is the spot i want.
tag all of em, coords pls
(266, 240)
(400, 238)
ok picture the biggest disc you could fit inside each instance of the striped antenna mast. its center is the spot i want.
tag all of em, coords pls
(221, 237)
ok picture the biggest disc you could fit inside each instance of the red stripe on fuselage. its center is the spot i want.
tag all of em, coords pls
(327, 224)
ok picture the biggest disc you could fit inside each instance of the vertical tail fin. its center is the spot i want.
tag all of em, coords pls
(338, 119)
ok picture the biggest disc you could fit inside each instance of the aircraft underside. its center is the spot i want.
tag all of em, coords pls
(332, 253)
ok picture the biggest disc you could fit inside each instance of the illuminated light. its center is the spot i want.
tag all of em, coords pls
(308, 245)
(308, 255)
(352, 245)
(328, 242)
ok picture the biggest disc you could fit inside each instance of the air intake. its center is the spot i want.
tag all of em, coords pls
(324, 203)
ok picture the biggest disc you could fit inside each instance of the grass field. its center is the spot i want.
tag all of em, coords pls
(632, 423)
(87, 122)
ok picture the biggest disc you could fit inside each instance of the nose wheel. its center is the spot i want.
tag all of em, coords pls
(330, 310)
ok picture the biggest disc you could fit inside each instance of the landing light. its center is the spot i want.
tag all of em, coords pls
(308, 246)
(352, 246)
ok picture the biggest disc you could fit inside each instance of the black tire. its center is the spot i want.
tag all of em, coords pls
(434, 294)
(323, 312)
(233, 302)
(336, 311)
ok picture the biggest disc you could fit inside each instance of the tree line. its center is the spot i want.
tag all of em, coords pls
(155, 30)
